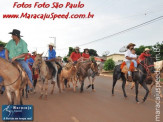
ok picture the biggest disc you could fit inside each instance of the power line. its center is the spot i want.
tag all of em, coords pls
(121, 32)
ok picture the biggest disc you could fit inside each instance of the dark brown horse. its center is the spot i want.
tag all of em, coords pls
(144, 69)
(82, 71)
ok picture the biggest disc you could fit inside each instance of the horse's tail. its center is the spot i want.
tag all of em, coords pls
(117, 72)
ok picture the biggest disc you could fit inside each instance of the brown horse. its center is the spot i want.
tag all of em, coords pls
(82, 71)
(70, 75)
(15, 79)
(47, 71)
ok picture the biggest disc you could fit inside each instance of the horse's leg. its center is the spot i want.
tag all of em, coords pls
(58, 83)
(114, 82)
(46, 88)
(74, 85)
(93, 79)
(147, 91)
(151, 86)
(90, 83)
(34, 85)
(132, 85)
(123, 85)
(53, 88)
(42, 86)
(136, 90)
(18, 98)
(9, 97)
(82, 85)
(26, 91)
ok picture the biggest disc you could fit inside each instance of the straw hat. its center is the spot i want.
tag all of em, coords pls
(146, 49)
(129, 45)
(51, 44)
(77, 48)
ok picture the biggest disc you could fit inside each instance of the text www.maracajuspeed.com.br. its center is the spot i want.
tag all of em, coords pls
(52, 16)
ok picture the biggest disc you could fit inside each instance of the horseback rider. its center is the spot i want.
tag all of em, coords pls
(76, 55)
(52, 59)
(85, 54)
(16, 50)
(146, 53)
(128, 59)
(2, 55)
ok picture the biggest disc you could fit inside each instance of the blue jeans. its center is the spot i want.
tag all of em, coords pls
(135, 63)
(3, 88)
(26, 68)
(128, 66)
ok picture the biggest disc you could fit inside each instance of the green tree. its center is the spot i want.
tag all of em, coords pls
(109, 65)
(93, 52)
(65, 59)
(153, 48)
(71, 49)
(3, 43)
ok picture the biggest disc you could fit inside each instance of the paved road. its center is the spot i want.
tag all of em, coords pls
(99, 106)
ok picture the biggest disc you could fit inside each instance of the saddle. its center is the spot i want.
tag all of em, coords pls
(125, 69)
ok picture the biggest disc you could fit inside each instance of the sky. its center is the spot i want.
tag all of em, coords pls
(110, 16)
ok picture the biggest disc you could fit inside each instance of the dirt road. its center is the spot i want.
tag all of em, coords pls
(98, 106)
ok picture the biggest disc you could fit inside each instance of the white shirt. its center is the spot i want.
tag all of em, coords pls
(127, 54)
(133, 55)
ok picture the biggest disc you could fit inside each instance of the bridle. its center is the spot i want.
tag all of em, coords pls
(146, 66)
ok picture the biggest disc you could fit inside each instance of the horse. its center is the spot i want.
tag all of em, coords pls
(151, 80)
(70, 76)
(82, 72)
(91, 78)
(15, 79)
(145, 68)
(47, 71)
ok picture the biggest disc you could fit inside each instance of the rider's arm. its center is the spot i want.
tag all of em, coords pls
(20, 56)
(129, 58)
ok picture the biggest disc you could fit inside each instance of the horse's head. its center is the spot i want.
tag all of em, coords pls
(94, 67)
(38, 61)
(149, 62)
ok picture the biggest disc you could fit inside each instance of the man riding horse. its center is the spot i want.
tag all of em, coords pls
(16, 50)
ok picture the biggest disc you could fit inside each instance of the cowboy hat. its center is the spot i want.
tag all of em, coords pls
(77, 48)
(147, 49)
(16, 33)
(129, 45)
(51, 44)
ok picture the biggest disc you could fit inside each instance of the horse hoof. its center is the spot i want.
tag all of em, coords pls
(93, 90)
(126, 97)
(112, 94)
(138, 102)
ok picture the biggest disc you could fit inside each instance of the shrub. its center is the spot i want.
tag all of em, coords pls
(109, 65)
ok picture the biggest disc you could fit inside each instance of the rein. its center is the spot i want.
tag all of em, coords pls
(147, 67)
(20, 74)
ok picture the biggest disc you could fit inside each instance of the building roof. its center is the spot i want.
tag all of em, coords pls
(116, 54)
